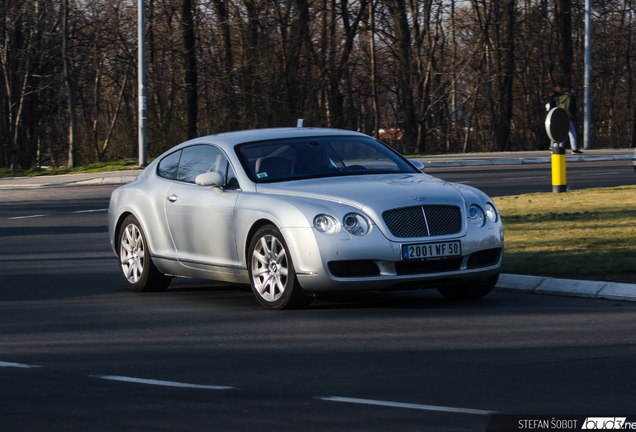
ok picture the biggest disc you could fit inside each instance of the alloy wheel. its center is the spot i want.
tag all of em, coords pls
(132, 253)
(269, 268)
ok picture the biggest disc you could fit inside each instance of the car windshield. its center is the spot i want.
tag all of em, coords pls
(293, 159)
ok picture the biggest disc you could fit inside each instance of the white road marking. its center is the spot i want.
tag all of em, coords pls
(599, 174)
(27, 217)
(159, 383)
(17, 365)
(90, 211)
(525, 178)
(407, 405)
(43, 215)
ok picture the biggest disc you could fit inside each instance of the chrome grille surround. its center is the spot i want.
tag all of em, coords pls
(423, 221)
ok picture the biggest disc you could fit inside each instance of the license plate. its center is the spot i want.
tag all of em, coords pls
(431, 250)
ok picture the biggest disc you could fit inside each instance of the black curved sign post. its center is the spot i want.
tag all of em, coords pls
(557, 125)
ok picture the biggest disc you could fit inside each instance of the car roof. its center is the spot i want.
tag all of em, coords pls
(230, 139)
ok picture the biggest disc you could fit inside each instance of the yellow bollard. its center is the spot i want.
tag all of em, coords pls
(559, 181)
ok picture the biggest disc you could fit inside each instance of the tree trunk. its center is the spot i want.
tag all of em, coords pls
(374, 90)
(565, 56)
(221, 9)
(507, 50)
(398, 11)
(339, 64)
(190, 66)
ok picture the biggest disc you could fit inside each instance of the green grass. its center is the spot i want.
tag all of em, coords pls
(587, 234)
(120, 165)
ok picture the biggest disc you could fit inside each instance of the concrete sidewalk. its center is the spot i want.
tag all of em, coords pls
(523, 158)
(87, 179)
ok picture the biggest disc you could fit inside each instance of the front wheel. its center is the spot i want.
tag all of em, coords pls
(469, 290)
(272, 273)
(135, 264)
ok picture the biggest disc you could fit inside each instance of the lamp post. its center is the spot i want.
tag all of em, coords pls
(141, 40)
(587, 120)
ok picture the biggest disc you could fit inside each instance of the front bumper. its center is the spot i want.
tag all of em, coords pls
(342, 262)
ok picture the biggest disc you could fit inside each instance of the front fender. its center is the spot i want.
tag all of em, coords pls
(292, 216)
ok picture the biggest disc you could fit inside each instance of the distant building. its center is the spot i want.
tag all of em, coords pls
(390, 135)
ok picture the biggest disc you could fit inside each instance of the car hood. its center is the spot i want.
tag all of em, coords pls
(376, 192)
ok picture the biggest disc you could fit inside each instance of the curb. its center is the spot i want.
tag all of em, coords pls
(85, 182)
(567, 287)
(525, 161)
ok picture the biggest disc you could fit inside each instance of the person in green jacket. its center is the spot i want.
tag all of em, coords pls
(568, 103)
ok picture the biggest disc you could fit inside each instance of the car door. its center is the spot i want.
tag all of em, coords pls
(201, 219)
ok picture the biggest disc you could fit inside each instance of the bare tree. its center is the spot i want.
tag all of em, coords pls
(190, 66)
(565, 55)
(444, 75)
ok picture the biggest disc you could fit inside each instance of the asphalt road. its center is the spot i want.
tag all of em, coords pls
(79, 352)
(521, 179)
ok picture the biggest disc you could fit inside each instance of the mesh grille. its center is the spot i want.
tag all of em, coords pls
(410, 222)
(353, 268)
(423, 267)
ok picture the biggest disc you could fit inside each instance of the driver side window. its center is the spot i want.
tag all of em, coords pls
(199, 159)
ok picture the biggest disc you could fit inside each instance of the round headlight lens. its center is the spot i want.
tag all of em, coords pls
(356, 224)
(476, 215)
(326, 224)
(491, 212)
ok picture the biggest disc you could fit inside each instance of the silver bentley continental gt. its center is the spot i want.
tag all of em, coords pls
(299, 211)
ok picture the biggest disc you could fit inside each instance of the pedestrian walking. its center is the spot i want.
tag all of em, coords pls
(553, 102)
(567, 101)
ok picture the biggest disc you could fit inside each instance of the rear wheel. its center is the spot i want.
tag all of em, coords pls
(135, 264)
(469, 290)
(272, 273)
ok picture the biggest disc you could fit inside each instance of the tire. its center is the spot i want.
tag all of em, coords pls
(272, 273)
(135, 263)
(469, 290)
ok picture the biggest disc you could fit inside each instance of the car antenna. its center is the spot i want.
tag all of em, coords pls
(299, 123)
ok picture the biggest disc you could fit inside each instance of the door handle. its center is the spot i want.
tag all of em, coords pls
(172, 198)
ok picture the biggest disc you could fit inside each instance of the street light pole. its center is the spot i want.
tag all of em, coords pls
(141, 73)
(587, 121)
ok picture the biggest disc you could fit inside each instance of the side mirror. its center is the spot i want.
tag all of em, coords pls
(417, 164)
(213, 179)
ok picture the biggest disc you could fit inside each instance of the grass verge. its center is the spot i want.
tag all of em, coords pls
(586, 234)
(120, 165)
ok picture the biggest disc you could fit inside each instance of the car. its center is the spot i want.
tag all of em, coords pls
(634, 161)
(296, 212)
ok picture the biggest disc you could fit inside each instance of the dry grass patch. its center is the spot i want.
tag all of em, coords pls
(582, 234)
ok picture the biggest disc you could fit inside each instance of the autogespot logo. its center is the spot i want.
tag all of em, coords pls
(608, 423)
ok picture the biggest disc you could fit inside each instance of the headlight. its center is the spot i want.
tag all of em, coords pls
(356, 224)
(476, 215)
(491, 212)
(326, 224)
